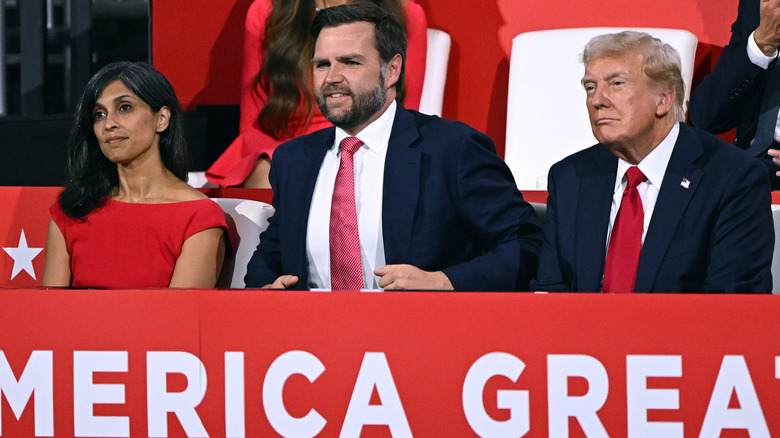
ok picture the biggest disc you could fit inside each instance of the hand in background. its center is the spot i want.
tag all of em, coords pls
(775, 154)
(767, 34)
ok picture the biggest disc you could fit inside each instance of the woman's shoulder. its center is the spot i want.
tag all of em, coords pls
(205, 209)
(257, 14)
(187, 197)
(185, 192)
(58, 215)
(171, 191)
(174, 213)
(410, 6)
(414, 15)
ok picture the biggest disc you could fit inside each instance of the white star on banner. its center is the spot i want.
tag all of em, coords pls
(23, 257)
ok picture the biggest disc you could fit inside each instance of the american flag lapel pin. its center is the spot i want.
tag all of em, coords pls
(685, 183)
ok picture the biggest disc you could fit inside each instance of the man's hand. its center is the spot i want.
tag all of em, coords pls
(283, 282)
(775, 154)
(767, 34)
(399, 277)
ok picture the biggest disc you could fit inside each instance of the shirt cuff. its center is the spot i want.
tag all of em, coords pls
(755, 54)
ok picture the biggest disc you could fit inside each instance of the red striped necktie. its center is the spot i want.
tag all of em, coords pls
(346, 271)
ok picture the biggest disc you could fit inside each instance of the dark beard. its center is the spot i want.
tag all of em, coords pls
(364, 106)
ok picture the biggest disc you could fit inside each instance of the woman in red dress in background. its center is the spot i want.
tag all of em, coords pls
(277, 102)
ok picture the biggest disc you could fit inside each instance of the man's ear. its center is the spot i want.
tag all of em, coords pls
(665, 103)
(163, 119)
(393, 71)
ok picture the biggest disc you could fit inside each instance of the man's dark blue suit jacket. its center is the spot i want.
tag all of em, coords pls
(715, 235)
(449, 203)
(737, 92)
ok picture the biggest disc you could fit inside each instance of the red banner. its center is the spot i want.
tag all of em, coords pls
(266, 363)
(23, 228)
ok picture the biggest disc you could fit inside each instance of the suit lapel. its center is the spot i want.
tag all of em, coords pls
(767, 117)
(401, 187)
(312, 156)
(596, 186)
(679, 185)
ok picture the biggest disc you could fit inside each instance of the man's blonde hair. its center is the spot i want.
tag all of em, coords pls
(661, 62)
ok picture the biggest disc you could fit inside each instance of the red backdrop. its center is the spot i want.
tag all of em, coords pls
(197, 44)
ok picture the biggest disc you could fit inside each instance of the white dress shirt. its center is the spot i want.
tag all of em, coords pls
(758, 58)
(369, 173)
(653, 166)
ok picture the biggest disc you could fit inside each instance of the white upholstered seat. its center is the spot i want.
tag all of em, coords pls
(246, 220)
(436, 59)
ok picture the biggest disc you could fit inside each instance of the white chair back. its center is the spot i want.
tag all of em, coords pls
(547, 119)
(198, 180)
(436, 58)
(776, 254)
(246, 220)
(540, 209)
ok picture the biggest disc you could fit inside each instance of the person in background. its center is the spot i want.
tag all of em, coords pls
(743, 90)
(656, 205)
(127, 217)
(277, 100)
(389, 198)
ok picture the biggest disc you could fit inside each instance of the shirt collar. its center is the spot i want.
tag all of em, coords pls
(653, 166)
(376, 135)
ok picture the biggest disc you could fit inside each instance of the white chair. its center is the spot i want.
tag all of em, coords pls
(547, 119)
(436, 58)
(246, 220)
(541, 212)
(198, 180)
(776, 254)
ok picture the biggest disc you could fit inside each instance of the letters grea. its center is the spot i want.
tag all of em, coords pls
(37, 378)
(733, 378)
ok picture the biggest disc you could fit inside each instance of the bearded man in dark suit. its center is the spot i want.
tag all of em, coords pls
(432, 207)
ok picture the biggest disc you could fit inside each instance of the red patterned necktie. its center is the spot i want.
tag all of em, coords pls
(625, 244)
(346, 271)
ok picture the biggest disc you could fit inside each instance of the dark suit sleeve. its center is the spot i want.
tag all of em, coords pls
(265, 266)
(493, 210)
(742, 239)
(730, 95)
(549, 276)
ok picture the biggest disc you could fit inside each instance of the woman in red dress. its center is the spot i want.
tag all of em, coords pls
(127, 217)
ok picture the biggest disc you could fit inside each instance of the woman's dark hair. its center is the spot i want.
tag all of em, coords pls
(91, 176)
(285, 76)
